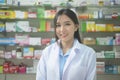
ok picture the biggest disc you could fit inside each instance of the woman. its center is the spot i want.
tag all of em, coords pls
(67, 58)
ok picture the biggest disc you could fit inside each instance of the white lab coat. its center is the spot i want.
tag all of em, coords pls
(80, 65)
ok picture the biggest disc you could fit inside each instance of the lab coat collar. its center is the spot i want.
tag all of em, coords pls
(76, 45)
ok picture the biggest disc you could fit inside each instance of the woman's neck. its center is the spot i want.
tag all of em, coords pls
(66, 46)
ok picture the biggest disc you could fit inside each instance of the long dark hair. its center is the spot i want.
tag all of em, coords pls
(72, 16)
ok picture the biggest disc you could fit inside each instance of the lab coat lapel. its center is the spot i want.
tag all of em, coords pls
(71, 55)
(69, 60)
(55, 61)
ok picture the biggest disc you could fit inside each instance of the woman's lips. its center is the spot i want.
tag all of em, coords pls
(62, 35)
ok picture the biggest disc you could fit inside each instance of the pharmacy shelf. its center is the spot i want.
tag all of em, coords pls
(42, 34)
(1, 61)
(23, 7)
(24, 19)
(104, 6)
(108, 76)
(99, 48)
(99, 34)
(110, 20)
(109, 61)
(2, 77)
(17, 76)
(28, 62)
(13, 47)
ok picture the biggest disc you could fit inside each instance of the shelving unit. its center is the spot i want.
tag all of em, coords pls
(33, 22)
(108, 76)
(94, 34)
(50, 34)
(18, 76)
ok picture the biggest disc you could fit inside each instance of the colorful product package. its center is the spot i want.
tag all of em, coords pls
(28, 52)
(1, 69)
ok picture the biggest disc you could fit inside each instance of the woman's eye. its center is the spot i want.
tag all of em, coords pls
(57, 25)
(67, 24)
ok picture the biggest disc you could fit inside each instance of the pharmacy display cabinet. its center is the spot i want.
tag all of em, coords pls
(100, 29)
(24, 32)
(20, 26)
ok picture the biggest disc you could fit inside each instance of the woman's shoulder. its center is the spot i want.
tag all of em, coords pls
(53, 45)
(82, 46)
(86, 46)
(46, 51)
(50, 48)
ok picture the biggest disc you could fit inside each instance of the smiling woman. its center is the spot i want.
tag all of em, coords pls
(67, 58)
(65, 29)
(67, 18)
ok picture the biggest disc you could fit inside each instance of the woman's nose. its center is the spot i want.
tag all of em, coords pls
(62, 28)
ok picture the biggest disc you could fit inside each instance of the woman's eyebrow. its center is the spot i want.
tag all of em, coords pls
(57, 22)
(67, 21)
(64, 22)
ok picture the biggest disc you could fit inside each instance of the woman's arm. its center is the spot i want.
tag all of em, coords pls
(91, 74)
(41, 69)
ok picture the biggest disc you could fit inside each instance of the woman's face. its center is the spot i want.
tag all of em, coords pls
(65, 28)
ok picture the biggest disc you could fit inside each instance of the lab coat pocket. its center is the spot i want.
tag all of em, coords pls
(82, 71)
(77, 72)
